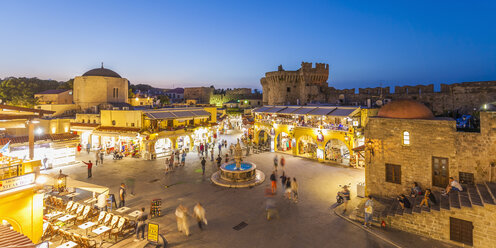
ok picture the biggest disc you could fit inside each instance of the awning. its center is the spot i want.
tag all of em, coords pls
(262, 109)
(322, 111)
(11, 238)
(160, 115)
(274, 110)
(359, 148)
(288, 110)
(303, 110)
(342, 112)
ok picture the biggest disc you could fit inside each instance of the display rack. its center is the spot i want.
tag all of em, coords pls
(155, 210)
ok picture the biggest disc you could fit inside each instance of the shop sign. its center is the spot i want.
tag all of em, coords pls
(355, 123)
(15, 182)
(152, 232)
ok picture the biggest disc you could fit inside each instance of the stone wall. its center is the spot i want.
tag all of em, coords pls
(201, 94)
(91, 91)
(466, 152)
(436, 224)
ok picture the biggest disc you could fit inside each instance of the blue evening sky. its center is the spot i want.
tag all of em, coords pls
(233, 43)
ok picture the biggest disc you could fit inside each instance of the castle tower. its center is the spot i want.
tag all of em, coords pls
(305, 85)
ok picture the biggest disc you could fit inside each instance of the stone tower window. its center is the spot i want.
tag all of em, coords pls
(288, 89)
(406, 138)
(113, 122)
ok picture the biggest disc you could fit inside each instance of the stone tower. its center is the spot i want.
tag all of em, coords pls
(302, 86)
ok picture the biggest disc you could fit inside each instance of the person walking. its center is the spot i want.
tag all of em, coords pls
(97, 158)
(287, 189)
(140, 226)
(283, 162)
(122, 195)
(201, 149)
(206, 150)
(219, 161)
(283, 180)
(203, 162)
(294, 189)
(220, 147)
(273, 182)
(172, 160)
(212, 154)
(199, 212)
(88, 148)
(90, 166)
(79, 148)
(101, 157)
(183, 158)
(181, 218)
(276, 160)
(231, 149)
(369, 209)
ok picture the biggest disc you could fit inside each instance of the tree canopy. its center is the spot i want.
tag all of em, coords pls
(20, 91)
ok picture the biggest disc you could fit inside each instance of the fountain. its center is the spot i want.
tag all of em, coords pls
(238, 174)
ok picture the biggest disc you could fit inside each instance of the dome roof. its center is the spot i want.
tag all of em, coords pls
(405, 109)
(103, 72)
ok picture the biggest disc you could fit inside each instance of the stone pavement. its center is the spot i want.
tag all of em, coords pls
(309, 223)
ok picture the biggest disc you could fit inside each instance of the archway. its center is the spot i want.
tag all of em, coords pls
(307, 146)
(283, 142)
(163, 146)
(11, 222)
(184, 142)
(264, 138)
(336, 151)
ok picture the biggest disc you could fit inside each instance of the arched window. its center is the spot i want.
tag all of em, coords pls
(406, 138)
(113, 122)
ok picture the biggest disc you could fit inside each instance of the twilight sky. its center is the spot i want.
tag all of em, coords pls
(233, 43)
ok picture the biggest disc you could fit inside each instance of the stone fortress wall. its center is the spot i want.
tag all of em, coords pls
(309, 85)
(462, 97)
(221, 96)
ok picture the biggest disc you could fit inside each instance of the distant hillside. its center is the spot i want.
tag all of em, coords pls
(20, 91)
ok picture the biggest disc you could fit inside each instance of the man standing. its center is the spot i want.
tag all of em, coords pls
(122, 195)
(88, 148)
(90, 166)
(212, 154)
(101, 157)
(203, 162)
(140, 227)
(273, 182)
(97, 157)
(368, 211)
(219, 160)
(199, 212)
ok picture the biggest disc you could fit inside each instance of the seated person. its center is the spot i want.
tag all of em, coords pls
(404, 202)
(415, 190)
(429, 196)
(453, 185)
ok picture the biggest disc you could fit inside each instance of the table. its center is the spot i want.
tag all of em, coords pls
(122, 210)
(135, 213)
(101, 229)
(72, 195)
(66, 217)
(68, 244)
(91, 200)
(87, 225)
(53, 214)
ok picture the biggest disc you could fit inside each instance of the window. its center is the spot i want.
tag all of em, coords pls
(406, 138)
(113, 122)
(83, 121)
(115, 93)
(94, 121)
(461, 231)
(393, 173)
(288, 89)
(466, 178)
(132, 124)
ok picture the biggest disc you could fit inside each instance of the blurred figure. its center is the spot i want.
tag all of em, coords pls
(294, 189)
(199, 212)
(182, 219)
(276, 160)
(273, 182)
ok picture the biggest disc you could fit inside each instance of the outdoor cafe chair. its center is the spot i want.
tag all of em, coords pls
(114, 221)
(101, 217)
(50, 231)
(118, 230)
(107, 219)
(75, 237)
(129, 223)
(75, 205)
(84, 216)
(69, 206)
(59, 203)
(87, 243)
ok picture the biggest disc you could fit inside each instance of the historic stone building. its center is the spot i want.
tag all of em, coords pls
(224, 96)
(100, 86)
(199, 94)
(305, 85)
(405, 143)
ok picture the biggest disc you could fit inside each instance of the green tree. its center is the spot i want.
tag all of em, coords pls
(164, 100)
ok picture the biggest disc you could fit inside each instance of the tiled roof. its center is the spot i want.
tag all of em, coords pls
(118, 129)
(11, 238)
(46, 92)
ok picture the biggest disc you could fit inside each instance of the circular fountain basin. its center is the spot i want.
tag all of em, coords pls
(245, 176)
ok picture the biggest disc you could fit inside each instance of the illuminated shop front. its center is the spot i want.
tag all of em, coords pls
(325, 133)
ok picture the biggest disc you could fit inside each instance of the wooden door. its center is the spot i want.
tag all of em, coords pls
(440, 172)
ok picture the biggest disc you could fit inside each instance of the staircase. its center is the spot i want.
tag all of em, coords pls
(478, 195)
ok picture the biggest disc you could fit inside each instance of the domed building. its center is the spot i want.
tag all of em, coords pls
(100, 86)
(405, 109)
